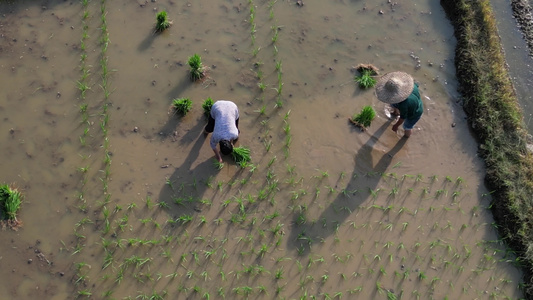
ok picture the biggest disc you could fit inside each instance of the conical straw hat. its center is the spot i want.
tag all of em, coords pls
(394, 87)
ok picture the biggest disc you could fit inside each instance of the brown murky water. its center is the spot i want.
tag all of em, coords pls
(326, 211)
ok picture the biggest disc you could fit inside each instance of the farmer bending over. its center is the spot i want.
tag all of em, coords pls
(400, 91)
(224, 124)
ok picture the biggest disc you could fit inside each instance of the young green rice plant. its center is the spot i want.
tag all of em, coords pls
(10, 201)
(208, 103)
(364, 118)
(365, 78)
(241, 155)
(218, 165)
(83, 87)
(182, 105)
(162, 21)
(196, 67)
(261, 110)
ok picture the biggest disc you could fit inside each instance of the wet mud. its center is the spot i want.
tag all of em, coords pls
(124, 200)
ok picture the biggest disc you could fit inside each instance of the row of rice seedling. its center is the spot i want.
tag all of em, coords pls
(83, 270)
(268, 232)
(205, 261)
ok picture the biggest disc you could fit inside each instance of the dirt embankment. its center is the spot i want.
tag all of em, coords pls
(522, 14)
(494, 115)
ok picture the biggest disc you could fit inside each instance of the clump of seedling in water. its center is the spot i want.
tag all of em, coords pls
(162, 21)
(241, 155)
(196, 67)
(208, 103)
(10, 201)
(182, 105)
(364, 118)
(366, 75)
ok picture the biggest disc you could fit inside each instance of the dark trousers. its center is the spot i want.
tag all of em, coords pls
(210, 125)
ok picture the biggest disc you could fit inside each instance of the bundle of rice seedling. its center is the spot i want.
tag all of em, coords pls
(208, 103)
(366, 75)
(241, 155)
(365, 79)
(364, 118)
(10, 201)
(182, 105)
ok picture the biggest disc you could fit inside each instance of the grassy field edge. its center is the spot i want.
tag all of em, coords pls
(496, 118)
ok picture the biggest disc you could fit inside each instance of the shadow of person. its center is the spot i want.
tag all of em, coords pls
(303, 235)
(184, 189)
(168, 130)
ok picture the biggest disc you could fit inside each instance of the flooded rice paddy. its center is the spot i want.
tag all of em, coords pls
(123, 199)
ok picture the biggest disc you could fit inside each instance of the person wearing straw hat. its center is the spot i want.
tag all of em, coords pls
(400, 91)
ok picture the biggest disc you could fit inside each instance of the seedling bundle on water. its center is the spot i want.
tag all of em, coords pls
(162, 21)
(10, 201)
(182, 105)
(208, 103)
(241, 155)
(364, 118)
(196, 67)
(366, 75)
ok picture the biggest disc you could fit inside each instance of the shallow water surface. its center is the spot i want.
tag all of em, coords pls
(122, 195)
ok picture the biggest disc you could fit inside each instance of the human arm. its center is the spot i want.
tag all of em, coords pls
(218, 156)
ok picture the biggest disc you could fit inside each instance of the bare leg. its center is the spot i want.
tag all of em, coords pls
(407, 133)
(395, 111)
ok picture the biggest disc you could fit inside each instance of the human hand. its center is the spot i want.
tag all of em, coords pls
(394, 128)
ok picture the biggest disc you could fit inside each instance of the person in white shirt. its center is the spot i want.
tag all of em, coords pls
(224, 124)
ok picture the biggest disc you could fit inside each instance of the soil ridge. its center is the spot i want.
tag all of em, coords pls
(493, 111)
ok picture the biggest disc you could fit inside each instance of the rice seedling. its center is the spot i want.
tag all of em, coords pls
(364, 118)
(196, 67)
(365, 79)
(262, 86)
(208, 103)
(241, 155)
(218, 165)
(182, 105)
(10, 201)
(83, 87)
(422, 276)
(162, 21)
(278, 66)
(279, 102)
(391, 295)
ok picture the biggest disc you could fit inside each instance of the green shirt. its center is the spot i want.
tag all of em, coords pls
(412, 107)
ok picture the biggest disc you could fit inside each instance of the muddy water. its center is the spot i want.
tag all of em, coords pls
(517, 57)
(328, 210)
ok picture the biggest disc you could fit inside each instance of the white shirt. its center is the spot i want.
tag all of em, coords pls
(225, 114)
